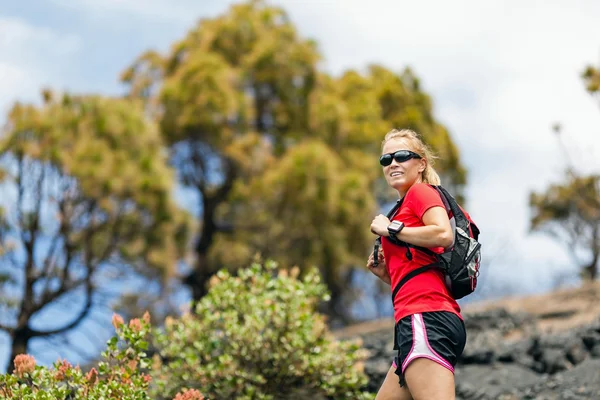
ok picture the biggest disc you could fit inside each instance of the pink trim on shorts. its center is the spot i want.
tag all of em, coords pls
(420, 347)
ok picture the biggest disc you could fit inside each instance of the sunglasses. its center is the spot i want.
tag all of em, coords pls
(400, 156)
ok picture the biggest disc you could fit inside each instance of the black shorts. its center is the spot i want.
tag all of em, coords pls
(439, 336)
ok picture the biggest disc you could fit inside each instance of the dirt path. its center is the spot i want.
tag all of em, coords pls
(554, 312)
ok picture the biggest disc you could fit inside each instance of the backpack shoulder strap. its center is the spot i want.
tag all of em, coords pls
(411, 275)
(442, 192)
(450, 205)
(391, 214)
(396, 207)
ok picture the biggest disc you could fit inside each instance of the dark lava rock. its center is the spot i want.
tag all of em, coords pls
(542, 367)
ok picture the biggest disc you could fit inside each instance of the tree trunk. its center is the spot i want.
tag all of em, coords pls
(20, 342)
(591, 270)
(198, 279)
(336, 283)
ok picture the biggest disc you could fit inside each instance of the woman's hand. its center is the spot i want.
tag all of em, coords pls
(379, 225)
(380, 270)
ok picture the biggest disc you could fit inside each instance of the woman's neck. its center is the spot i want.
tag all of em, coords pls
(402, 192)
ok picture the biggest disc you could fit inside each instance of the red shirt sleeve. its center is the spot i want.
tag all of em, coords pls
(421, 197)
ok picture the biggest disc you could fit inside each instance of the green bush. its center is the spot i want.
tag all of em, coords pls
(122, 375)
(257, 335)
(254, 336)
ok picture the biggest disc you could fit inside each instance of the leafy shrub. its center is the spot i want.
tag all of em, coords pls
(254, 336)
(122, 375)
(257, 335)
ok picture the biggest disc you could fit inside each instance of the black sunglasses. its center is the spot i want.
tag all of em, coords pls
(400, 156)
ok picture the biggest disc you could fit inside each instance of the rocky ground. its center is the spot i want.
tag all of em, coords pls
(544, 347)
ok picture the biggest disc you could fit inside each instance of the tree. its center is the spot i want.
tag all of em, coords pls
(91, 203)
(570, 211)
(244, 110)
(591, 78)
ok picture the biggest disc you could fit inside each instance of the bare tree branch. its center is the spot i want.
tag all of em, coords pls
(82, 314)
(50, 260)
(26, 301)
(8, 329)
(49, 297)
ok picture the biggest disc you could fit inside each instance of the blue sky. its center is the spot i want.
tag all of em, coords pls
(500, 74)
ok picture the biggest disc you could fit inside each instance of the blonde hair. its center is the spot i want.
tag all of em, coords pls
(430, 176)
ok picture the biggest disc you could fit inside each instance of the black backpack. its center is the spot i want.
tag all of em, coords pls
(459, 262)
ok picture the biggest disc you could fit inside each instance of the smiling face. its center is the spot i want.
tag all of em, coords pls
(401, 176)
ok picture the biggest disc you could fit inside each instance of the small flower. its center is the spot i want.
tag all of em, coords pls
(294, 272)
(189, 394)
(135, 325)
(62, 370)
(213, 281)
(146, 317)
(132, 364)
(92, 376)
(117, 321)
(146, 378)
(24, 364)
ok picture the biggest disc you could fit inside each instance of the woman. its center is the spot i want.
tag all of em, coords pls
(429, 334)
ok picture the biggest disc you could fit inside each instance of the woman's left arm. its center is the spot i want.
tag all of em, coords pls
(437, 231)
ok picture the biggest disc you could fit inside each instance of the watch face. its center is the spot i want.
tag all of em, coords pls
(395, 226)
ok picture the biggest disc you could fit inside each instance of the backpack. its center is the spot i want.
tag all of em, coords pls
(459, 262)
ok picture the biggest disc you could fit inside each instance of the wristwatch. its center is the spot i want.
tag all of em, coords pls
(395, 227)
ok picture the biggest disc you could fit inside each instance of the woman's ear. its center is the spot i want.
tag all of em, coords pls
(422, 165)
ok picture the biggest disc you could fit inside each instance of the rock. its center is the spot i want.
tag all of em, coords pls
(579, 383)
(591, 339)
(477, 356)
(576, 352)
(551, 360)
(376, 370)
(595, 352)
(491, 382)
(540, 367)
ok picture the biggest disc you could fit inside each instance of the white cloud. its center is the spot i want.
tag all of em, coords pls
(19, 40)
(181, 11)
(14, 80)
(30, 57)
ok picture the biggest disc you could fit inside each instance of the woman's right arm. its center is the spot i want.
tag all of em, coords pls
(380, 270)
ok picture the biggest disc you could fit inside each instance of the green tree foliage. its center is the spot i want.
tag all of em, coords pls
(257, 336)
(283, 157)
(591, 77)
(570, 211)
(88, 199)
(310, 209)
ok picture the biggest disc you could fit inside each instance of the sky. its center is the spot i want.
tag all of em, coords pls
(500, 75)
